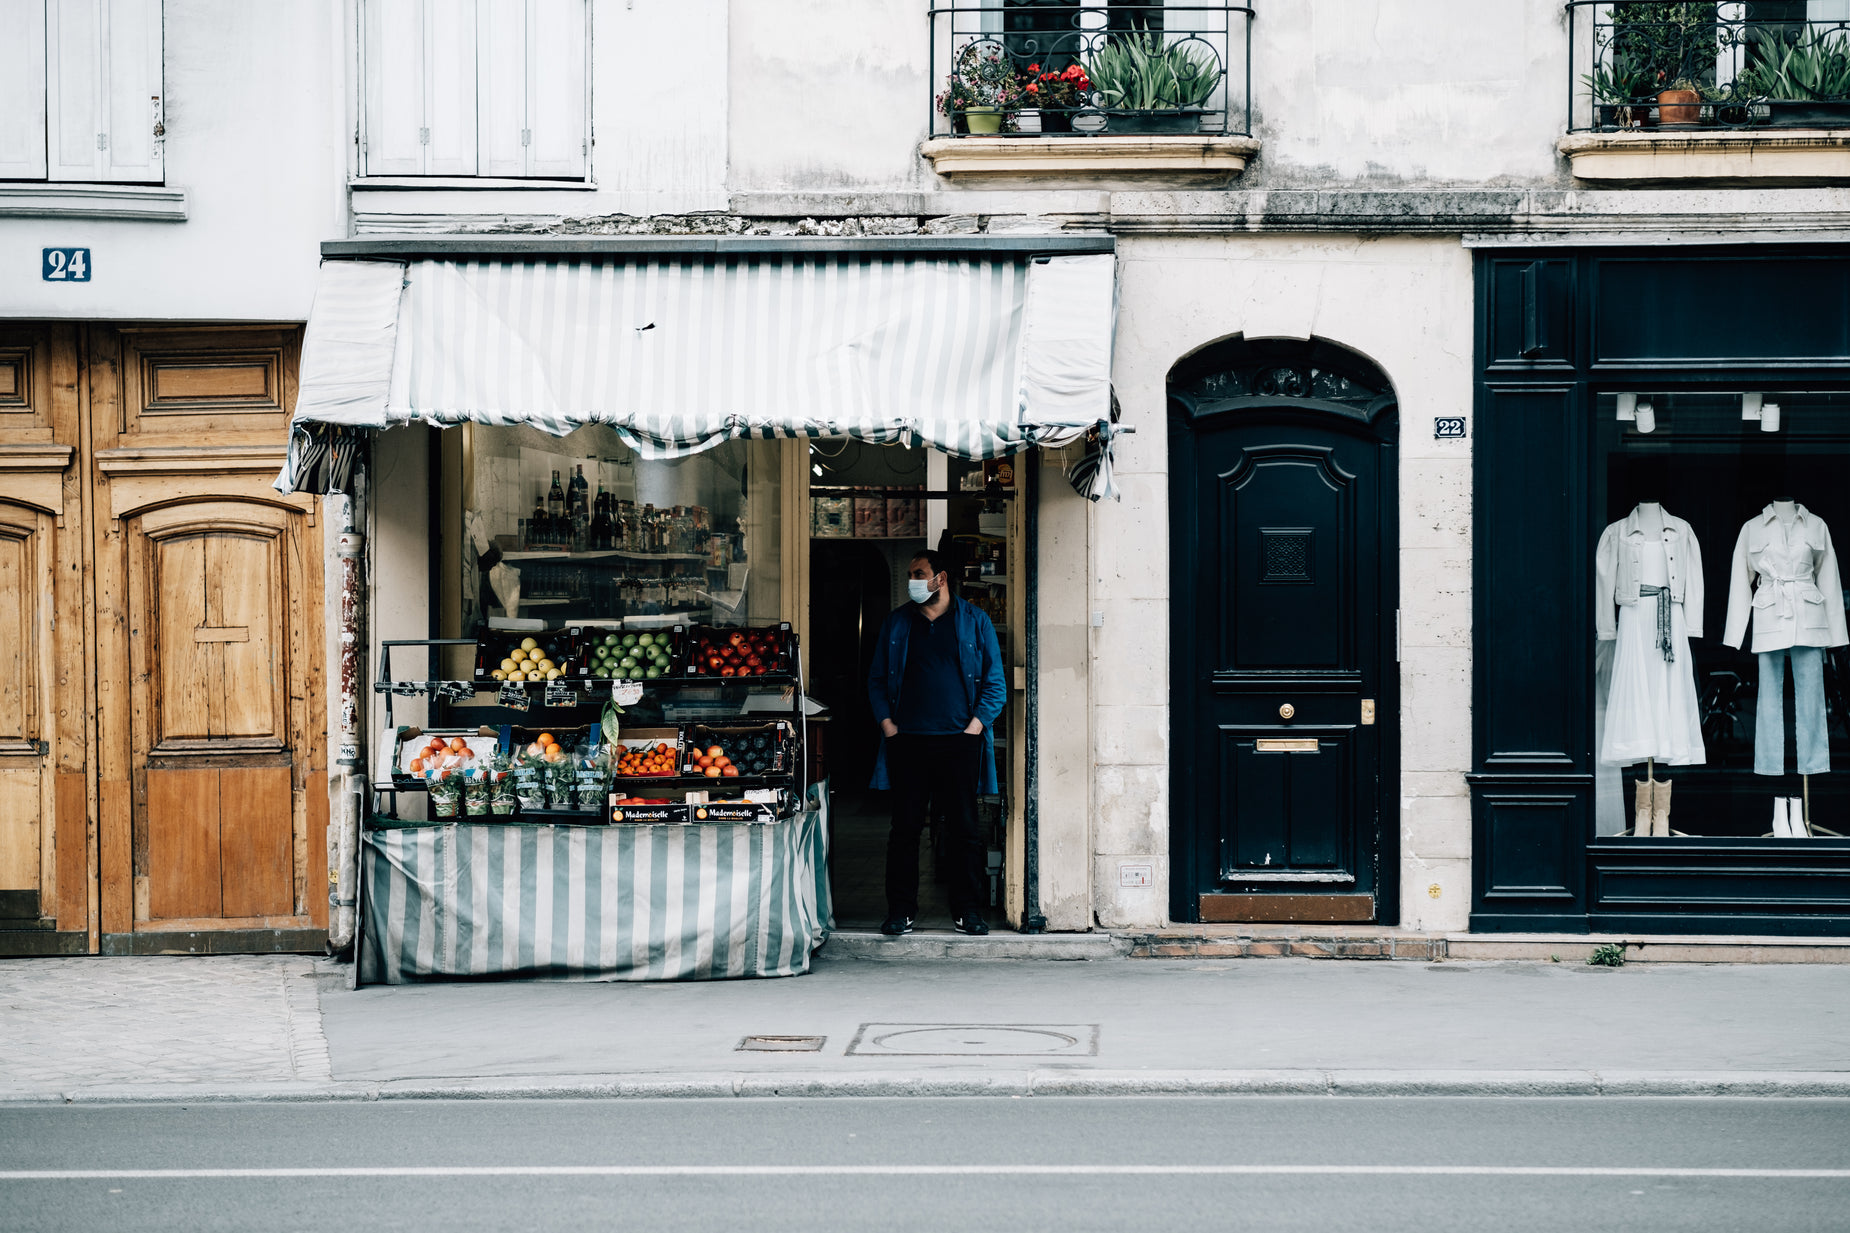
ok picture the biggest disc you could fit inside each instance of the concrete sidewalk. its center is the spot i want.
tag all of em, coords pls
(234, 1028)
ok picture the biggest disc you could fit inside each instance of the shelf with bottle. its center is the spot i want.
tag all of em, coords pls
(570, 522)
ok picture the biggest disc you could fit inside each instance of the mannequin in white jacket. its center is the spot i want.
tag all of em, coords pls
(1785, 576)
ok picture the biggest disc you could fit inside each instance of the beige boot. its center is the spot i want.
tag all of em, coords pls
(1641, 810)
(1660, 808)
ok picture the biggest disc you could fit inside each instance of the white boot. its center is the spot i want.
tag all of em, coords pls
(1782, 828)
(1660, 808)
(1795, 817)
(1641, 810)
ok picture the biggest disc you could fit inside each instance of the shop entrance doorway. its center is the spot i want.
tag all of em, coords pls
(1284, 691)
(872, 509)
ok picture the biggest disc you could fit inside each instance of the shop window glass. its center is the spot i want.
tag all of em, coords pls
(1721, 670)
(651, 542)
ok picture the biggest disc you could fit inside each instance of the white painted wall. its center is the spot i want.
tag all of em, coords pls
(1408, 91)
(256, 118)
(1406, 304)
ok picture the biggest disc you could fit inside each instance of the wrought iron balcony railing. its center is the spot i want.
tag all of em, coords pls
(1685, 64)
(1089, 68)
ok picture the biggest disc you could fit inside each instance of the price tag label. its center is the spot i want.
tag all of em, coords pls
(456, 691)
(626, 693)
(560, 693)
(512, 695)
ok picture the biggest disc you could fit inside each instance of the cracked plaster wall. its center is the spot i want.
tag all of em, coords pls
(1406, 304)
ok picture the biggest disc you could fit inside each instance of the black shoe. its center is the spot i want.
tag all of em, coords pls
(896, 925)
(972, 923)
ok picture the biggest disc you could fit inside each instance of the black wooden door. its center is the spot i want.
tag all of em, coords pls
(1284, 698)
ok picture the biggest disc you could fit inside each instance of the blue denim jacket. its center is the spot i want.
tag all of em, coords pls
(978, 654)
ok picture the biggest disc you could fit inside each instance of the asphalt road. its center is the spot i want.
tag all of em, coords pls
(1114, 1164)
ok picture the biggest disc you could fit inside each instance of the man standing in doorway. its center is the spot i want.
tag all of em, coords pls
(936, 687)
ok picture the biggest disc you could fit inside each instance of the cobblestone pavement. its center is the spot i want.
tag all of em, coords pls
(219, 1019)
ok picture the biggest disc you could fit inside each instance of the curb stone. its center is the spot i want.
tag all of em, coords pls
(1355, 1083)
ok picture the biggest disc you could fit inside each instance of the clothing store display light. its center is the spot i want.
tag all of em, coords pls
(1755, 407)
(1641, 415)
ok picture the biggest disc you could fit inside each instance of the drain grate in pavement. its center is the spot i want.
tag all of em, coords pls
(977, 1039)
(781, 1044)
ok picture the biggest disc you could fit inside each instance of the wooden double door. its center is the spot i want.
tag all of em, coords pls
(1284, 700)
(163, 782)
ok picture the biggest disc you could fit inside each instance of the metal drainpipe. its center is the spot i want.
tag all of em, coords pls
(347, 786)
(1033, 920)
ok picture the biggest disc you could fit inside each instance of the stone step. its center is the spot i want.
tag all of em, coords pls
(1368, 942)
(945, 944)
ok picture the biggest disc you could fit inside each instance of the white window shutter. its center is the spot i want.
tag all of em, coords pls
(449, 88)
(22, 90)
(132, 90)
(556, 39)
(501, 104)
(392, 56)
(74, 127)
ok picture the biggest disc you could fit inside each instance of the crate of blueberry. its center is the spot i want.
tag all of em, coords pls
(738, 750)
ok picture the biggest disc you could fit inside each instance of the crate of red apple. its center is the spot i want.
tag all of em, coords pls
(749, 652)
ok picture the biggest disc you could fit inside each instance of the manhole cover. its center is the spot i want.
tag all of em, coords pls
(781, 1044)
(977, 1039)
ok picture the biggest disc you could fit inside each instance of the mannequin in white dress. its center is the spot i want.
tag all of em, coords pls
(1650, 573)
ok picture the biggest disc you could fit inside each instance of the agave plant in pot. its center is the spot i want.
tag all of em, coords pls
(1147, 85)
(982, 90)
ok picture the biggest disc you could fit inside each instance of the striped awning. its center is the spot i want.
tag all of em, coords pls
(975, 356)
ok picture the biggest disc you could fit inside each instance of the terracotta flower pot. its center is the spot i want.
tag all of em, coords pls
(1679, 107)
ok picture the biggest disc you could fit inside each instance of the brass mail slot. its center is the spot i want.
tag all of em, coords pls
(1277, 744)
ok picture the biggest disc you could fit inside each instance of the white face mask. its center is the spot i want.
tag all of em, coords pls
(919, 589)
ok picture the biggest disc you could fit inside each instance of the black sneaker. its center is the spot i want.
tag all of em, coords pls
(896, 925)
(972, 923)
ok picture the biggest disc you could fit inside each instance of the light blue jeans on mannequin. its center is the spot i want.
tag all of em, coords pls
(1808, 706)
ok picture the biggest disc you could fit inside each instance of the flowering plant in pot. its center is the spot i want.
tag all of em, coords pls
(982, 89)
(1057, 94)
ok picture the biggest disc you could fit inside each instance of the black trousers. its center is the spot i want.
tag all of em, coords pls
(923, 769)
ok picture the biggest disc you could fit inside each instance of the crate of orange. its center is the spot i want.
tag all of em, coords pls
(648, 753)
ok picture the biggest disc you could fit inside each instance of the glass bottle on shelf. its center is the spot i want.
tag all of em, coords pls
(600, 522)
(649, 529)
(536, 525)
(631, 526)
(555, 501)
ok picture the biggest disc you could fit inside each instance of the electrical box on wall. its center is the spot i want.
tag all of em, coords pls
(1136, 875)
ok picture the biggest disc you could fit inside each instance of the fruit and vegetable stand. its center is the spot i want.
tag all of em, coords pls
(685, 850)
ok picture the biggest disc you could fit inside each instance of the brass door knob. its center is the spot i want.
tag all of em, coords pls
(1287, 711)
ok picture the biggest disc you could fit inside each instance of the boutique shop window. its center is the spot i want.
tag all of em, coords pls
(1722, 679)
(559, 529)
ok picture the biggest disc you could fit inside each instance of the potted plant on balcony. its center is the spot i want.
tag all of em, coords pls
(982, 90)
(1804, 82)
(1623, 87)
(1674, 43)
(1056, 94)
(1146, 85)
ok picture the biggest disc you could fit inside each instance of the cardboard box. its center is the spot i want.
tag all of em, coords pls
(707, 641)
(645, 815)
(831, 517)
(738, 740)
(870, 517)
(411, 742)
(493, 647)
(904, 519)
(633, 737)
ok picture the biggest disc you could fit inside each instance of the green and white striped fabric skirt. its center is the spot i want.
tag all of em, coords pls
(704, 901)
